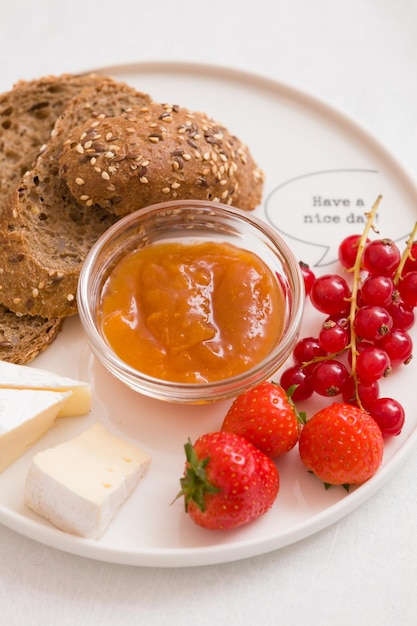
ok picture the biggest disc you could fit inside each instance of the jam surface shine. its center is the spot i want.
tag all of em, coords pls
(192, 313)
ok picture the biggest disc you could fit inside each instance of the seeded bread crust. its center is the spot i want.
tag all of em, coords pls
(44, 233)
(23, 338)
(156, 153)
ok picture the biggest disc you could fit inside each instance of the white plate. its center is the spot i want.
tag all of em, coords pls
(322, 172)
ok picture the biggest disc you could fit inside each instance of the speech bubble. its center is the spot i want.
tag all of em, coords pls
(318, 209)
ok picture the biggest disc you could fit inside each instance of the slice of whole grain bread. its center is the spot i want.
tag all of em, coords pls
(44, 233)
(28, 113)
(23, 338)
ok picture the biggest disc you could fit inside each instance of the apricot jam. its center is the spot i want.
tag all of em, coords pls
(192, 313)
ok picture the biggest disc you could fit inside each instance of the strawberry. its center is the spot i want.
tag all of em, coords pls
(342, 445)
(266, 416)
(227, 482)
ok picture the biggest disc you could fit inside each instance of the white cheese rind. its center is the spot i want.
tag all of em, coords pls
(25, 416)
(80, 485)
(13, 376)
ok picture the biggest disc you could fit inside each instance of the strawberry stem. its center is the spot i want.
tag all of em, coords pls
(300, 415)
(195, 484)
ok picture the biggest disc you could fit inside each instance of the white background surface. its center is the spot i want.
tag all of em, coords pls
(360, 56)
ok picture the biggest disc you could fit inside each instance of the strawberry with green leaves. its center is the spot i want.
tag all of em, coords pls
(227, 482)
(266, 416)
(341, 445)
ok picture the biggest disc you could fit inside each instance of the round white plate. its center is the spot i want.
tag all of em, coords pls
(322, 173)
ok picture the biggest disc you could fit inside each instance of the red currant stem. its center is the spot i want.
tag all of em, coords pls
(406, 254)
(325, 357)
(355, 287)
(356, 269)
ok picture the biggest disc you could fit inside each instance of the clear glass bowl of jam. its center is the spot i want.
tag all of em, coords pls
(191, 302)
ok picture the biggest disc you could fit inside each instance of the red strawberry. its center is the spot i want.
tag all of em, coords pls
(265, 415)
(227, 482)
(342, 445)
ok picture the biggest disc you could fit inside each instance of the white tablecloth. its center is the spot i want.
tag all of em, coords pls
(360, 56)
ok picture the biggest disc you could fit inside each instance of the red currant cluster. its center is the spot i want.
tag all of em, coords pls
(364, 335)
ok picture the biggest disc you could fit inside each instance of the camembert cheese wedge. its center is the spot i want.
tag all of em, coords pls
(80, 485)
(14, 376)
(25, 416)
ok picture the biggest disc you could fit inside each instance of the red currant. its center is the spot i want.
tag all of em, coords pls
(342, 320)
(329, 377)
(348, 250)
(298, 376)
(333, 337)
(402, 315)
(381, 256)
(398, 345)
(372, 364)
(308, 276)
(372, 322)
(330, 294)
(411, 262)
(408, 289)
(367, 393)
(389, 415)
(378, 290)
(360, 347)
(307, 350)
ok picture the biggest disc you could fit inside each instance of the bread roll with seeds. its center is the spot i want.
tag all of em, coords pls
(156, 153)
(44, 233)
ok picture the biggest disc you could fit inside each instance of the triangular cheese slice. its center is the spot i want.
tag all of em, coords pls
(14, 376)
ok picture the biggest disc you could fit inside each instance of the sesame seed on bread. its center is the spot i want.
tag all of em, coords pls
(156, 153)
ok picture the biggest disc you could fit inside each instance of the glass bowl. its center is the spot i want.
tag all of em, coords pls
(189, 221)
